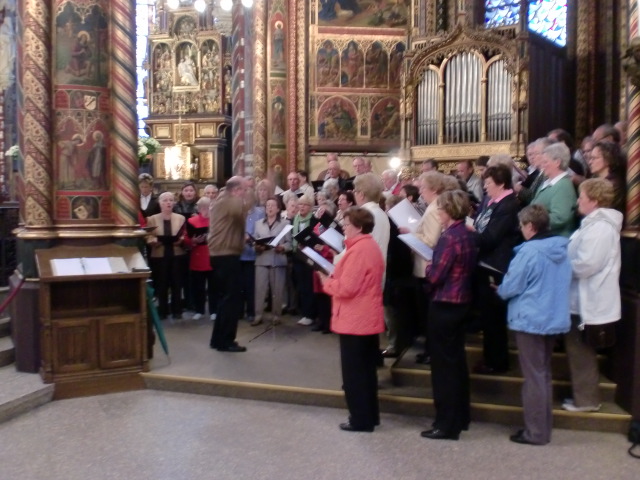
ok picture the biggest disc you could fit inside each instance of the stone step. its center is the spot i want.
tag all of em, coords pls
(5, 325)
(401, 400)
(7, 351)
(502, 389)
(473, 347)
(21, 392)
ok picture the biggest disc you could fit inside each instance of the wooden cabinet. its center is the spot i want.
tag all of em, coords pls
(93, 328)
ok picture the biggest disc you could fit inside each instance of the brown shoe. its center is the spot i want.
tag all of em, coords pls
(256, 322)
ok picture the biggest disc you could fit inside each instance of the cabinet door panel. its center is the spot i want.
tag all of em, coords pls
(120, 344)
(74, 345)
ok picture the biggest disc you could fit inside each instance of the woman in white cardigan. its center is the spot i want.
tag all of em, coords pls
(594, 251)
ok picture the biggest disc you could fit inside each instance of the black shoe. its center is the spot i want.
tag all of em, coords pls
(390, 353)
(233, 349)
(518, 437)
(347, 427)
(483, 369)
(326, 332)
(423, 358)
(316, 328)
(437, 434)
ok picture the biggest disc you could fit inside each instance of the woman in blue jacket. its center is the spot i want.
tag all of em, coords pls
(537, 289)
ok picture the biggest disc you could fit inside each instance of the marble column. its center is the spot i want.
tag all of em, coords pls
(633, 141)
(259, 88)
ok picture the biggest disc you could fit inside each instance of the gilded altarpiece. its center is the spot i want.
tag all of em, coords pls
(356, 49)
(189, 93)
(82, 105)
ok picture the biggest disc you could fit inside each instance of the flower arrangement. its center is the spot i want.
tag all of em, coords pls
(147, 146)
(13, 151)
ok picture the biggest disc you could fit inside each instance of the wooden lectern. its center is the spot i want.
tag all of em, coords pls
(93, 326)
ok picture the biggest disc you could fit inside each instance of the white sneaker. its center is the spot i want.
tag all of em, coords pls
(212, 317)
(305, 321)
(197, 316)
(570, 407)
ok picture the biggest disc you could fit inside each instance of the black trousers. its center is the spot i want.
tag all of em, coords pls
(203, 288)
(167, 275)
(449, 372)
(493, 311)
(323, 302)
(303, 278)
(358, 357)
(248, 292)
(227, 278)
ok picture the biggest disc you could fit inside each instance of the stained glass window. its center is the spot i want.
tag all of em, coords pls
(144, 9)
(549, 19)
(500, 13)
(546, 17)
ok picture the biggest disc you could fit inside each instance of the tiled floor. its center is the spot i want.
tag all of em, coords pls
(163, 435)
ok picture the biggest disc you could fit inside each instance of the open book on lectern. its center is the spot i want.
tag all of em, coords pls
(97, 265)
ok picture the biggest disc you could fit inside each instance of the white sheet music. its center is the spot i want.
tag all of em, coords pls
(285, 230)
(96, 266)
(66, 266)
(405, 215)
(415, 244)
(319, 260)
(333, 239)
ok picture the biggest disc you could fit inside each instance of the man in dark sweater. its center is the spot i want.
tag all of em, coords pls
(226, 240)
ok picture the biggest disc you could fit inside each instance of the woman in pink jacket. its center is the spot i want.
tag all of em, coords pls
(357, 316)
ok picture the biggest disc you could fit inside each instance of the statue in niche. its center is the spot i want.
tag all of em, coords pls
(187, 71)
(185, 27)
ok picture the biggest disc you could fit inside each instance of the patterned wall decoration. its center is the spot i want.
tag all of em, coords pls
(82, 105)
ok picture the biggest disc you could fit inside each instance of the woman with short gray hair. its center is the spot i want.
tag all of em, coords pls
(557, 194)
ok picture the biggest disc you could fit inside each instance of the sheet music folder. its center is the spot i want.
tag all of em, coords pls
(405, 215)
(417, 246)
(317, 261)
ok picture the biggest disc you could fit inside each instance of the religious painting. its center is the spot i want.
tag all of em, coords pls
(278, 42)
(277, 168)
(337, 119)
(278, 111)
(328, 65)
(364, 13)
(376, 66)
(84, 208)
(82, 44)
(352, 71)
(82, 159)
(395, 65)
(385, 119)
(186, 65)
